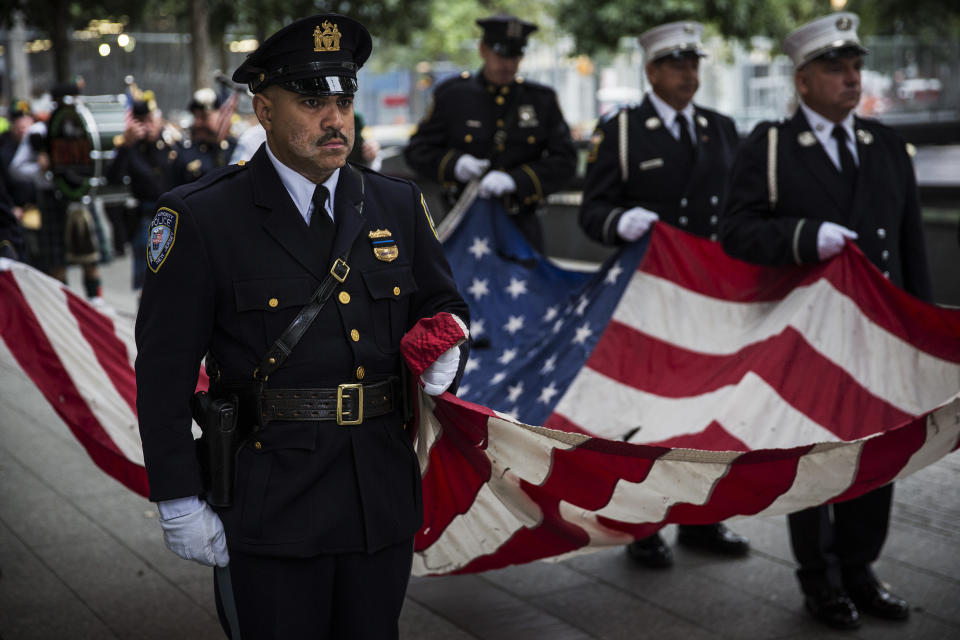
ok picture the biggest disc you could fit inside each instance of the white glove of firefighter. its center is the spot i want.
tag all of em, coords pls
(831, 238)
(469, 167)
(193, 531)
(635, 223)
(495, 184)
(439, 375)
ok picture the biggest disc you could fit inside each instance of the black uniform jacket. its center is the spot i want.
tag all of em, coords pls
(883, 208)
(146, 166)
(195, 160)
(519, 127)
(660, 174)
(242, 265)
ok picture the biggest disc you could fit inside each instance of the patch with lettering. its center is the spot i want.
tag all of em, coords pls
(163, 232)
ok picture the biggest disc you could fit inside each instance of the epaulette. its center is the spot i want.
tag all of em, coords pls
(368, 170)
(209, 179)
(453, 80)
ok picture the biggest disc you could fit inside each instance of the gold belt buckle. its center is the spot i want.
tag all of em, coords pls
(348, 387)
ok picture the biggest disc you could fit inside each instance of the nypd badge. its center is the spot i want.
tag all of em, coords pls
(384, 246)
(163, 232)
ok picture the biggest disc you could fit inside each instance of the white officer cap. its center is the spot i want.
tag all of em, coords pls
(675, 39)
(831, 35)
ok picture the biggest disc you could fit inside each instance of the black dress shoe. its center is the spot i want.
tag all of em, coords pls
(871, 597)
(713, 537)
(833, 608)
(651, 552)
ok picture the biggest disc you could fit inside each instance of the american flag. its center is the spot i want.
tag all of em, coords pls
(675, 384)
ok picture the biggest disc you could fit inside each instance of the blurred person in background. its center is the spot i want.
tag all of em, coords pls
(496, 127)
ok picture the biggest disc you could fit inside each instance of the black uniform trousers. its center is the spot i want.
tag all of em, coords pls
(835, 544)
(355, 596)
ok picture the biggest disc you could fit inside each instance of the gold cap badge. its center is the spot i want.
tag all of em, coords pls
(327, 38)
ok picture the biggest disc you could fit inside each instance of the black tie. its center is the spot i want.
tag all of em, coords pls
(685, 138)
(319, 220)
(848, 169)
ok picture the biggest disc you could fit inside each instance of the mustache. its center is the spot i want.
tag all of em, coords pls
(330, 135)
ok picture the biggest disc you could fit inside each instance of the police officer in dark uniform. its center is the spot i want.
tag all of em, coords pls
(499, 128)
(318, 541)
(665, 159)
(144, 161)
(800, 189)
(204, 149)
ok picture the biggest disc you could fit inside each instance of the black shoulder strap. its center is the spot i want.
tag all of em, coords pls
(278, 353)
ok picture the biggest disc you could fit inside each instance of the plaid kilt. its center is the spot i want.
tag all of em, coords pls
(47, 246)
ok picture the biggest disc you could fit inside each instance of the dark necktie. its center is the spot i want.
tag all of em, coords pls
(848, 168)
(319, 220)
(685, 138)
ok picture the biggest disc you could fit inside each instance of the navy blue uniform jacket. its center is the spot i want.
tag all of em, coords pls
(242, 265)
(883, 207)
(660, 176)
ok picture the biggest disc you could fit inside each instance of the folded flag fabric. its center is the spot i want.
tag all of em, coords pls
(675, 384)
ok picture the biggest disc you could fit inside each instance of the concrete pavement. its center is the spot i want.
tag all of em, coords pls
(82, 557)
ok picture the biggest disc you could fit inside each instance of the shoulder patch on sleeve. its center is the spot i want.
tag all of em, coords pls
(163, 232)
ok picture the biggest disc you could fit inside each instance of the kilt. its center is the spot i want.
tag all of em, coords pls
(47, 246)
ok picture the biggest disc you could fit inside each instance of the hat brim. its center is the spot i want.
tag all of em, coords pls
(688, 50)
(313, 78)
(835, 49)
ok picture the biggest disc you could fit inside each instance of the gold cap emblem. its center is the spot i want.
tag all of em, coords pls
(327, 38)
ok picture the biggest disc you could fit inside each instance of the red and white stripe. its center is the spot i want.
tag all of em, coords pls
(755, 390)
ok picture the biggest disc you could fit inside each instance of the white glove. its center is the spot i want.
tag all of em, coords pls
(468, 167)
(194, 533)
(635, 222)
(495, 184)
(439, 375)
(831, 238)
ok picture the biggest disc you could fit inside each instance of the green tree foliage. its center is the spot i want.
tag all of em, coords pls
(598, 26)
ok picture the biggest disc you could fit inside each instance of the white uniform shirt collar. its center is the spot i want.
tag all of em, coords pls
(669, 116)
(823, 130)
(300, 189)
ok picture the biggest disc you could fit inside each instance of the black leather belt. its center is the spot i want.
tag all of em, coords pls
(348, 404)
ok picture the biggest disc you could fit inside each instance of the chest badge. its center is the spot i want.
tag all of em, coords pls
(384, 246)
(527, 116)
(806, 139)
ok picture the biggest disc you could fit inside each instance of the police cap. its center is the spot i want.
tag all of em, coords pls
(316, 56)
(506, 34)
(205, 99)
(673, 40)
(830, 36)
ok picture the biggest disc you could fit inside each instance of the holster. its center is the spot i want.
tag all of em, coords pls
(218, 446)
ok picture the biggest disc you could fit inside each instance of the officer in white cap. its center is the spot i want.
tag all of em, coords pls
(665, 159)
(801, 190)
